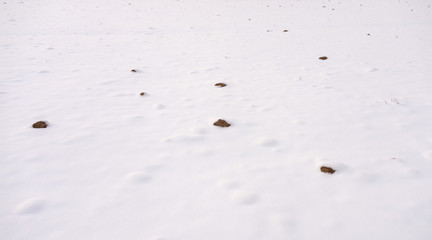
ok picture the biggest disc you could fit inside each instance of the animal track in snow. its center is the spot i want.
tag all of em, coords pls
(199, 130)
(138, 177)
(227, 184)
(392, 101)
(244, 198)
(158, 106)
(211, 69)
(371, 70)
(427, 155)
(183, 138)
(31, 206)
(123, 94)
(266, 142)
(298, 122)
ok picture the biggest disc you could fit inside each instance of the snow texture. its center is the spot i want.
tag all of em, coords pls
(113, 164)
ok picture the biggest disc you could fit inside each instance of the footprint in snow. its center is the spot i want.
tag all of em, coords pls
(266, 142)
(138, 177)
(199, 130)
(31, 206)
(227, 184)
(244, 198)
(298, 122)
(183, 138)
(158, 106)
(427, 155)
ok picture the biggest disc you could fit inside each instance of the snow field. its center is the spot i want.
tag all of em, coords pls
(116, 165)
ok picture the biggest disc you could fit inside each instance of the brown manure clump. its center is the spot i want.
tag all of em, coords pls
(40, 124)
(327, 170)
(220, 85)
(221, 123)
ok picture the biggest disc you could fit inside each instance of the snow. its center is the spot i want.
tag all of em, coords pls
(116, 165)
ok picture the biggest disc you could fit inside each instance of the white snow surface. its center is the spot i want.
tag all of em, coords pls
(116, 165)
